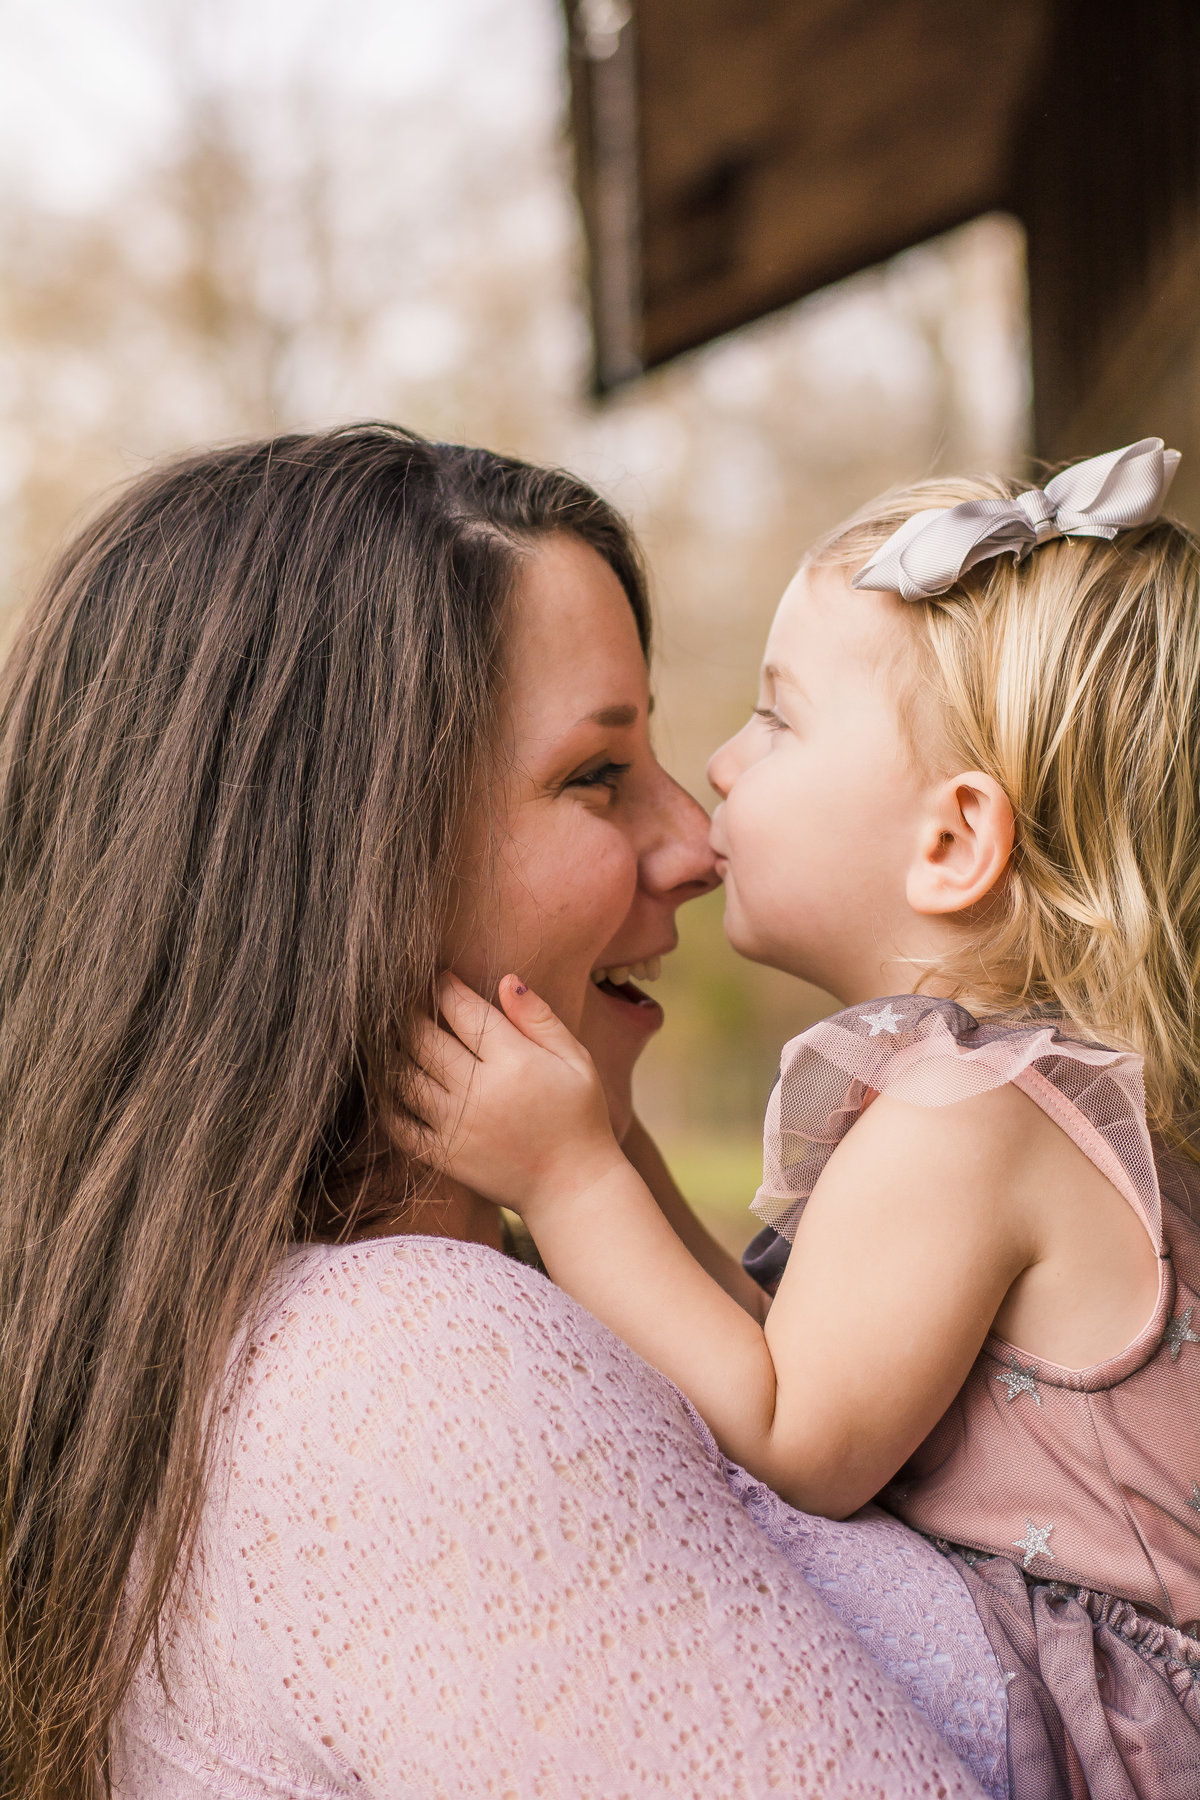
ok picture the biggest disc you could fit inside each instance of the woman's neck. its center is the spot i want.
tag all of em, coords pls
(449, 1211)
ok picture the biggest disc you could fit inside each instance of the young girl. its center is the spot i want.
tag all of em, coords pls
(971, 786)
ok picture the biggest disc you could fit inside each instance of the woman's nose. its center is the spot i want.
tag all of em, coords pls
(677, 862)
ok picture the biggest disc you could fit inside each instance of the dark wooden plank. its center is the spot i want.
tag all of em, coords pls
(1108, 183)
(778, 146)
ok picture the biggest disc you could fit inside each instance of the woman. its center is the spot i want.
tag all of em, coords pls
(309, 1489)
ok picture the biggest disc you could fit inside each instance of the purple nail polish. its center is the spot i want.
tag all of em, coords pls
(520, 988)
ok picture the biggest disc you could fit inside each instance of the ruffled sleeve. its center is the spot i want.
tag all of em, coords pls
(932, 1052)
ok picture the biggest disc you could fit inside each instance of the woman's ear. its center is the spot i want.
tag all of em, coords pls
(965, 845)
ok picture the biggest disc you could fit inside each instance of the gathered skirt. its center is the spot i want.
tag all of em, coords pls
(1103, 1698)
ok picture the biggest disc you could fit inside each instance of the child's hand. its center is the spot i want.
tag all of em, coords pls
(515, 1110)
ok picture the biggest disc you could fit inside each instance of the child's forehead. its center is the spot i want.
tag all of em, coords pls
(824, 625)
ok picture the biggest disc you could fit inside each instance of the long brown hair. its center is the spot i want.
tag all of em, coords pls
(238, 733)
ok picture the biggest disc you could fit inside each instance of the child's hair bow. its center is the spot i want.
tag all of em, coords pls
(1097, 498)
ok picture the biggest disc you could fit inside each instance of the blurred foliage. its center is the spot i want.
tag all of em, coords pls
(365, 211)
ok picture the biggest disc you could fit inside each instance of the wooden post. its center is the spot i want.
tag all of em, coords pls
(1107, 179)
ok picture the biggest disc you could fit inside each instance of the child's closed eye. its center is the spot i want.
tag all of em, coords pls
(770, 718)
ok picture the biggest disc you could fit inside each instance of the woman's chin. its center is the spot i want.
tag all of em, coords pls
(616, 1026)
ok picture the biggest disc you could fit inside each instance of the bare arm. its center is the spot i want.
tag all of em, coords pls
(904, 1254)
(646, 1157)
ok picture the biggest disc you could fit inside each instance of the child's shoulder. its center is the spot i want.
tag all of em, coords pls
(933, 1053)
(980, 1146)
(983, 1094)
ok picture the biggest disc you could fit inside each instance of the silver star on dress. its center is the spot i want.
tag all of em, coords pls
(885, 1020)
(1179, 1332)
(1194, 1502)
(1035, 1543)
(1020, 1380)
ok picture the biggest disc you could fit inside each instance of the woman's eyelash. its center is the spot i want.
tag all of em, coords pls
(770, 718)
(607, 775)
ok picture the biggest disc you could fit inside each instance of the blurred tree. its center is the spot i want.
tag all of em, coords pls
(331, 225)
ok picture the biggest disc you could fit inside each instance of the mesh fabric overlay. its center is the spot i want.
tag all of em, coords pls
(932, 1053)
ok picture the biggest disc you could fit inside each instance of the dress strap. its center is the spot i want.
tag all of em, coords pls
(933, 1052)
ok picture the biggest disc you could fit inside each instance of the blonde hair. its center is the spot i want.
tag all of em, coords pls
(1073, 679)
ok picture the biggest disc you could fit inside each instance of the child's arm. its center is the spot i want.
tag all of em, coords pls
(641, 1150)
(903, 1256)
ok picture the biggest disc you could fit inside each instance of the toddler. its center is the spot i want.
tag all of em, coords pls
(968, 805)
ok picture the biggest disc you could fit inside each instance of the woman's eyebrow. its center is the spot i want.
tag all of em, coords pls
(613, 718)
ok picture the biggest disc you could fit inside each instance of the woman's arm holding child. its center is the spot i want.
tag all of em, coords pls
(903, 1256)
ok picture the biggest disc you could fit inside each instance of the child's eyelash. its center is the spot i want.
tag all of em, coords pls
(770, 718)
(607, 775)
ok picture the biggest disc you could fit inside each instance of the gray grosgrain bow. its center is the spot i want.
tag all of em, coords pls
(1097, 498)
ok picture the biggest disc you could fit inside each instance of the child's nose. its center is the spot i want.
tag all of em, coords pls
(721, 768)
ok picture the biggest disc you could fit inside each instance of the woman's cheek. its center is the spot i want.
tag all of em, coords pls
(586, 900)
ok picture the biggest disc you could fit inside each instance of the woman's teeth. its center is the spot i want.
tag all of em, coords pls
(619, 974)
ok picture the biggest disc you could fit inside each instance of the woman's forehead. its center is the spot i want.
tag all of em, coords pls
(573, 646)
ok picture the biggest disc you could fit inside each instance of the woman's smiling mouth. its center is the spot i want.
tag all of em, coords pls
(615, 983)
(617, 974)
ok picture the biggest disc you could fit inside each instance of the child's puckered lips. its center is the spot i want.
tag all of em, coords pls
(717, 845)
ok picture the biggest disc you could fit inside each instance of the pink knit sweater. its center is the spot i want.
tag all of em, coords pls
(460, 1542)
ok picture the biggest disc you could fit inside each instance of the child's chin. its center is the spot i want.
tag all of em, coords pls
(742, 936)
(758, 947)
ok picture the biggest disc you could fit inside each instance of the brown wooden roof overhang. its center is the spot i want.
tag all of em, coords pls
(735, 155)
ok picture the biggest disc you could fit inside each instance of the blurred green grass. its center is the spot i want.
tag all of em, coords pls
(719, 1176)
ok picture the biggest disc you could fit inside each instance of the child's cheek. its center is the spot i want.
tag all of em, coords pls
(769, 833)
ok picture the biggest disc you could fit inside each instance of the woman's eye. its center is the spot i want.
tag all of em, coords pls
(605, 775)
(770, 718)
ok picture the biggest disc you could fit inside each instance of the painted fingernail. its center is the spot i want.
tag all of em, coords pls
(519, 987)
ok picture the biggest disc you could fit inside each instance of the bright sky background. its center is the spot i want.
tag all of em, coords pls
(452, 294)
(84, 101)
(90, 100)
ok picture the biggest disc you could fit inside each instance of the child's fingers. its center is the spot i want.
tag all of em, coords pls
(420, 1122)
(531, 1015)
(432, 1110)
(440, 1056)
(422, 1141)
(437, 1098)
(432, 1130)
(467, 1014)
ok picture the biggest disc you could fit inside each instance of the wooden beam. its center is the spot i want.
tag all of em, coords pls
(604, 108)
(764, 148)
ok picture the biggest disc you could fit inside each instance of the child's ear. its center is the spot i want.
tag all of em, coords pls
(965, 845)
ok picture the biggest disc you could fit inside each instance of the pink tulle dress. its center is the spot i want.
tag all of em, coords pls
(1069, 1497)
